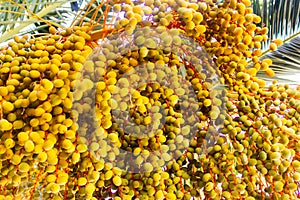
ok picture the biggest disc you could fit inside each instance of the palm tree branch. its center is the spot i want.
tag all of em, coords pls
(284, 41)
(35, 17)
(286, 62)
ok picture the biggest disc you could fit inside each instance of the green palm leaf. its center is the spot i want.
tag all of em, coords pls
(286, 62)
(282, 17)
(32, 16)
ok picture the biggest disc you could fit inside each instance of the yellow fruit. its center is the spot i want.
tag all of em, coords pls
(268, 61)
(58, 83)
(24, 167)
(23, 136)
(55, 188)
(148, 167)
(258, 38)
(47, 117)
(75, 157)
(34, 74)
(52, 30)
(9, 143)
(55, 100)
(254, 86)
(207, 102)
(107, 124)
(209, 186)
(67, 103)
(143, 52)
(34, 122)
(49, 143)
(62, 74)
(40, 46)
(38, 112)
(3, 91)
(40, 130)
(264, 65)
(252, 71)
(7, 106)
(52, 157)
(82, 181)
(81, 148)
(171, 196)
(67, 58)
(117, 8)
(2, 149)
(197, 17)
(275, 155)
(108, 175)
(41, 95)
(70, 134)
(29, 146)
(278, 185)
(242, 47)
(79, 46)
(206, 177)
(124, 22)
(278, 42)
(42, 157)
(62, 178)
(90, 188)
(11, 117)
(51, 178)
(149, 43)
(117, 180)
(270, 72)
(139, 40)
(273, 46)
(296, 176)
(159, 195)
(296, 164)
(35, 137)
(200, 29)
(238, 31)
(147, 120)
(190, 25)
(5, 125)
(293, 186)
(101, 86)
(247, 40)
(67, 144)
(16, 159)
(16, 180)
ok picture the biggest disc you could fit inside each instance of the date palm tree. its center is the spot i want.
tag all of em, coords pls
(35, 16)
